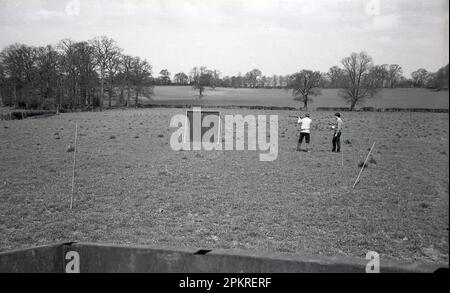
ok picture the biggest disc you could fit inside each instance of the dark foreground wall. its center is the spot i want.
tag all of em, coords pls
(42, 259)
(94, 258)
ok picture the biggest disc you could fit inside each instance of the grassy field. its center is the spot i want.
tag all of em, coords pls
(402, 98)
(132, 188)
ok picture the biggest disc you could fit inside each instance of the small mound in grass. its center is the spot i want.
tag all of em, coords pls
(361, 163)
(424, 205)
(164, 173)
(70, 148)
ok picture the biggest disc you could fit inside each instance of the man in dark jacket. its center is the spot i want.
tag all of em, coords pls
(337, 127)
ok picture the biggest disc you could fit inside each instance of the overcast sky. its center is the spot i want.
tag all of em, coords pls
(275, 36)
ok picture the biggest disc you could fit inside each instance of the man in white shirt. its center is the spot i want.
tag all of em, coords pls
(304, 131)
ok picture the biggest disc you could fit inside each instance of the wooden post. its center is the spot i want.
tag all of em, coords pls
(342, 150)
(73, 166)
(362, 168)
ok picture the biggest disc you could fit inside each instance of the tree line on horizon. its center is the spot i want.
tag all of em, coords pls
(72, 75)
(87, 74)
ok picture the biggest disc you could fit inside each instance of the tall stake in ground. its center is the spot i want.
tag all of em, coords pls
(73, 166)
(342, 151)
(362, 168)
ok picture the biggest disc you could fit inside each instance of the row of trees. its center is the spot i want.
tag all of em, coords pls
(72, 74)
(88, 73)
(424, 78)
(359, 79)
(251, 79)
(386, 75)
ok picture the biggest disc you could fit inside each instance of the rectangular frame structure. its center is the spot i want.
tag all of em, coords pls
(189, 123)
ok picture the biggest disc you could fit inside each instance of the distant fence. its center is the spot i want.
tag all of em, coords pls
(255, 107)
(22, 114)
(94, 258)
(286, 108)
(373, 109)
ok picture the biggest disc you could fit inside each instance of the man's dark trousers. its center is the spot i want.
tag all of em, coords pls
(337, 142)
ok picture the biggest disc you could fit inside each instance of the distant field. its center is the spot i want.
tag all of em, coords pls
(132, 188)
(401, 98)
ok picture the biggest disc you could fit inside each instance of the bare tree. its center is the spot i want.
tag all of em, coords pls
(47, 62)
(113, 66)
(283, 81)
(336, 76)
(88, 78)
(164, 77)
(181, 78)
(421, 77)
(70, 66)
(395, 72)
(105, 49)
(252, 77)
(305, 84)
(12, 69)
(359, 81)
(2, 84)
(77, 79)
(21, 74)
(68, 75)
(125, 77)
(141, 76)
(440, 78)
(215, 78)
(236, 81)
(200, 77)
(274, 81)
(380, 74)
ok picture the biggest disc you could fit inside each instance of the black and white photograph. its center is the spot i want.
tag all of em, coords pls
(239, 137)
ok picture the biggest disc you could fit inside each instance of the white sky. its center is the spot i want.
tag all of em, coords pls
(275, 36)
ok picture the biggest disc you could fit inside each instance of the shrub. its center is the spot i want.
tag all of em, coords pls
(48, 104)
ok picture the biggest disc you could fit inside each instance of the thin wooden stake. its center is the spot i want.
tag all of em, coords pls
(342, 150)
(362, 168)
(73, 166)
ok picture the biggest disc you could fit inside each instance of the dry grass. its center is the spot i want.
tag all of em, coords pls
(135, 190)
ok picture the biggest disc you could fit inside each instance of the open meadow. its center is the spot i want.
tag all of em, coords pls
(132, 188)
(387, 98)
